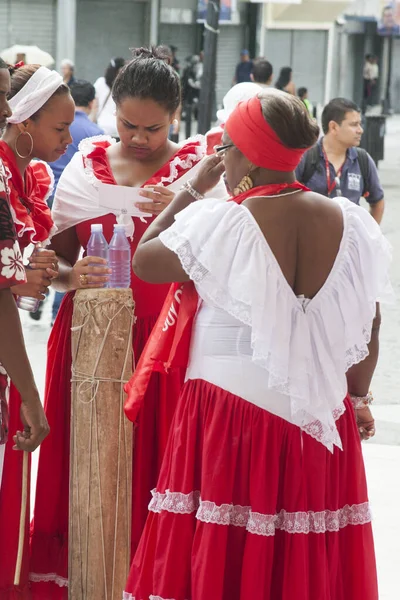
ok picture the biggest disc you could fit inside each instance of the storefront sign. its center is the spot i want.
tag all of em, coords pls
(228, 7)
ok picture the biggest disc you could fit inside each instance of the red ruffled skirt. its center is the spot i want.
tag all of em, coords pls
(247, 507)
(49, 529)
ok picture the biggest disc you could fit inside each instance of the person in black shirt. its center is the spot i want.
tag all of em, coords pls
(244, 68)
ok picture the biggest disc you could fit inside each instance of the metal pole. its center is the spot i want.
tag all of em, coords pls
(329, 61)
(262, 30)
(207, 92)
(154, 21)
(389, 76)
(66, 30)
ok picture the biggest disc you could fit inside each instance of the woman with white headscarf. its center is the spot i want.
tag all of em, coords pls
(39, 127)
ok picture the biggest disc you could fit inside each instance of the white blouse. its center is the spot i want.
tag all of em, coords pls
(254, 337)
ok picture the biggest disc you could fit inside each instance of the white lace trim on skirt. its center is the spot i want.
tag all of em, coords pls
(258, 523)
(128, 596)
(47, 578)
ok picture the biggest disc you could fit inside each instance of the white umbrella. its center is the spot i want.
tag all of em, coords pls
(29, 54)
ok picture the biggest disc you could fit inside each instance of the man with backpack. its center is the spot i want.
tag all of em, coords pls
(336, 166)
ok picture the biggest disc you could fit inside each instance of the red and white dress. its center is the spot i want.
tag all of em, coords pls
(76, 205)
(12, 273)
(262, 492)
(33, 223)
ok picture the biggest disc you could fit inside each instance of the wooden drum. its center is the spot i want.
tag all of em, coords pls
(101, 445)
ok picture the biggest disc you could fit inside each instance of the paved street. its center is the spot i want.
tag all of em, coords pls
(382, 455)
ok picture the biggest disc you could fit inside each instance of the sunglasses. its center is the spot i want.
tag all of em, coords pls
(222, 149)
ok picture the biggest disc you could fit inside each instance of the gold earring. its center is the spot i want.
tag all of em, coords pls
(16, 144)
(244, 186)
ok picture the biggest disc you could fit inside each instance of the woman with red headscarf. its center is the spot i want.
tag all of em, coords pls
(262, 491)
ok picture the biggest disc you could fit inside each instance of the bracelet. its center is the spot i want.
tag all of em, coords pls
(187, 186)
(360, 402)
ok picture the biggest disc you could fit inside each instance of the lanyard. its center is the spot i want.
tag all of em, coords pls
(336, 182)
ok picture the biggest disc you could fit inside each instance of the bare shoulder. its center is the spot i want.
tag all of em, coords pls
(301, 202)
(303, 211)
(318, 204)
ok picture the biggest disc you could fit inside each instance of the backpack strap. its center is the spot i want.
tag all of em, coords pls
(363, 161)
(311, 163)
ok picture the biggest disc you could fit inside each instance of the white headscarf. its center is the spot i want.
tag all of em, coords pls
(35, 93)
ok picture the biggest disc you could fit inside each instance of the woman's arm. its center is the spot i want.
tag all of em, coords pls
(155, 263)
(15, 360)
(359, 376)
(67, 248)
(359, 379)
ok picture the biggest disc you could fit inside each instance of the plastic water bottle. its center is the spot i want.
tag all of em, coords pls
(26, 302)
(120, 259)
(97, 245)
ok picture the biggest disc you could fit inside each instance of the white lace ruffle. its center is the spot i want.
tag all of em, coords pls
(127, 596)
(87, 146)
(305, 349)
(48, 577)
(189, 161)
(258, 523)
(76, 199)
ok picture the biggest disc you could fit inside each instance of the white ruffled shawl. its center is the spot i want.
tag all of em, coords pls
(77, 195)
(305, 348)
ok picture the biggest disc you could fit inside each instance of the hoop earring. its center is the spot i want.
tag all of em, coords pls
(16, 144)
(244, 186)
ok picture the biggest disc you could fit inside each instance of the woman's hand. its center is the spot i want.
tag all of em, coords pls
(36, 427)
(38, 280)
(209, 174)
(160, 196)
(87, 276)
(365, 423)
(45, 259)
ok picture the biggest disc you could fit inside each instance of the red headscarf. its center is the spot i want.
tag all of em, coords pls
(256, 139)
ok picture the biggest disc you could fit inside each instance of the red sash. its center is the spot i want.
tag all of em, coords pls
(169, 343)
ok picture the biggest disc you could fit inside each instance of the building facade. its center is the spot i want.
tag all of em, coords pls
(325, 50)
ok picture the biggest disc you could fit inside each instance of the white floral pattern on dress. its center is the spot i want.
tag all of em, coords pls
(11, 263)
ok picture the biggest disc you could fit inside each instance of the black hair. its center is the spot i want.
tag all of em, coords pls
(149, 75)
(290, 119)
(113, 69)
(82, 92)
(3, 64)
(262, 70)
(284, 78)
(301, 92)
(21, 76)
(336, 111)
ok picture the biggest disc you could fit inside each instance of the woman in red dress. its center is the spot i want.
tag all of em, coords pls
(147, 95)
(43, 134)
(262, 492)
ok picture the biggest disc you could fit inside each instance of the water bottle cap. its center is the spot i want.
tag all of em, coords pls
(119, 227)
(96, 227)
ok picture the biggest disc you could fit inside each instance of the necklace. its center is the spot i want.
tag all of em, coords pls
(279, 195)
(271, 190)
